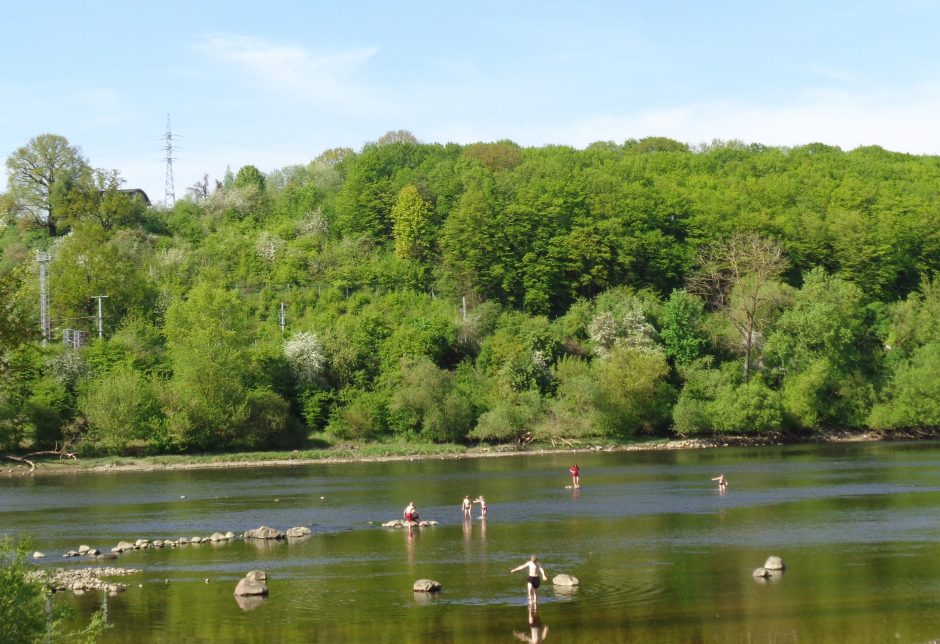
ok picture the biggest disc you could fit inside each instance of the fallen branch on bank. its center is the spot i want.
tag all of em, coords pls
(18, 459)
(57, 451)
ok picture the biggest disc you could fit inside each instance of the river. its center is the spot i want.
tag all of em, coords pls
(661, 553)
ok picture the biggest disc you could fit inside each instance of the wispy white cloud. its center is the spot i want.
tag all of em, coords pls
(326, 80)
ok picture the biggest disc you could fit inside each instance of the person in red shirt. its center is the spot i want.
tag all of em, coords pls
(575, 475)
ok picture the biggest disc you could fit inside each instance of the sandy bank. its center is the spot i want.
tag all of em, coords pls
(132, 464)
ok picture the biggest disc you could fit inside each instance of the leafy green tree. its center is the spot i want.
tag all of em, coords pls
(509, 417)
(717, 401)
(14, 328)
(572, 412)
(269, 423)
(748, 408)
(359, 414)
(207, 342)
(249, 176)
(632, 393)
(121, 407)
(92, 262)
(397, 136)
(912, 399)
(97, 196)
(39, 174)
(819, 349)
(426, 402)
(411, 217)
(682, 327)
(519, 353)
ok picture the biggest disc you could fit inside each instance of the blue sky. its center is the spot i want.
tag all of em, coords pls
(276, 83)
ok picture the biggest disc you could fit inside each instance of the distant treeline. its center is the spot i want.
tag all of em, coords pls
(473, 293)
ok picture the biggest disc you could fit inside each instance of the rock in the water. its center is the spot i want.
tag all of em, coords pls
(565, 580)
(397, 523)
(763, 573)
(217, 536)
(427, 586)
(254, 583)
(83, 549)
(774, 563)
(38, 555)
(300, 531)
(263, 532)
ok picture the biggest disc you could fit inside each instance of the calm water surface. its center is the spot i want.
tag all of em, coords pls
(662, 555)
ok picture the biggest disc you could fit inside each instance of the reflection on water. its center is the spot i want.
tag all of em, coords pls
(537, 632)
(661, 553)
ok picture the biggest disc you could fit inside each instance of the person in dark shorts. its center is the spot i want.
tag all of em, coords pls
(536, 576)
(722, 482)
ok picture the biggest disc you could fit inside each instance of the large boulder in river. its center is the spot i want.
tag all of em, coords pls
(263, 532)
(427, 586)
(774, 563)
(254, 583)
(565, 580)
(299, 531)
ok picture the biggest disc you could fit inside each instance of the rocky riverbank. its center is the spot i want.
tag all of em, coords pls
(80, 580)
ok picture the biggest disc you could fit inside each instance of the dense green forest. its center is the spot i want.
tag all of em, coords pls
(472, 293)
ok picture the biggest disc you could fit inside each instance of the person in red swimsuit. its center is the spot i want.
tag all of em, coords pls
(575, 475)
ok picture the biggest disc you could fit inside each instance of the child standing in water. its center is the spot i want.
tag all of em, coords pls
(482, 503)
(536, 577)
(575, 475)
(466, 506)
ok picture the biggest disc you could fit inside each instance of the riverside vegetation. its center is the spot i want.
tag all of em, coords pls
(443, 294)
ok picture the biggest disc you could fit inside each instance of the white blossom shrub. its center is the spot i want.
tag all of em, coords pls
(305, 354)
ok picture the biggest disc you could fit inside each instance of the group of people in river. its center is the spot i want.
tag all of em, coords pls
(467, 507)
(536, 572)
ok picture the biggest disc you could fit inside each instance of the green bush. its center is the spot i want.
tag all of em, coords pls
(22, 600)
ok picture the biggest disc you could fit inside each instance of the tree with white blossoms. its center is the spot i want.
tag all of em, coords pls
(269, 246)
(621, 325)
(305, 354)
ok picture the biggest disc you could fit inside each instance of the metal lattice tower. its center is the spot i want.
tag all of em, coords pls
(170, 192)
(45, 324)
